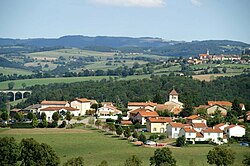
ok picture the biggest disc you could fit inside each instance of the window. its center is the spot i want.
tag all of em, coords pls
(208, 134)
(175, 129)
(218, 134)
(154, 129)
(189, 134)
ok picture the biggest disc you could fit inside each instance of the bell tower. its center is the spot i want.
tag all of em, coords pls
(173, 96)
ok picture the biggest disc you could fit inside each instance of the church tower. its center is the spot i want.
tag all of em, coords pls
(173, 96)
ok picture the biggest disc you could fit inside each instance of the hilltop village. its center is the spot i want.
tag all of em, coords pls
(205, 125)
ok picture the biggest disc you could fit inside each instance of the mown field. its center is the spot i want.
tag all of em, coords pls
(46, 81)
(94, 146)
(10, 71)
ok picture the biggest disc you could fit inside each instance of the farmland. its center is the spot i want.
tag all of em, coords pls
(10, 71)
(94, 146)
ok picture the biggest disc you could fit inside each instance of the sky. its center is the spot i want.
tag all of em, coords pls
(184, 20)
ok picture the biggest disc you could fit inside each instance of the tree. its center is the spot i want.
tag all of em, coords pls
(34, 122)
(68, 116)
(78, 161)
(157, 98)
(187, 110)
(236, 108)
(11, 85)
(133, 161)
(103, 163)
(224, 69)
(135, 134)
(44, 122)
(137, 126)
(55, 116)
(30, 115)
(5, 116)
(9, 151)
(246, 161)
(142, 138)
(43, 115)
(35, 154)
(18, 116)
(162, 157)
(98, 123)
(24, 85)
(119, 130)
(127, 132)
(112, 127)
(220, 156)
(180, 141)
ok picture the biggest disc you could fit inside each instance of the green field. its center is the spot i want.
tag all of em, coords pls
(46, 81)
(94, 146)
(10, 71)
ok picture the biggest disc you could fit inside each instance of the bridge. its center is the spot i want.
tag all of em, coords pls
(14, 92)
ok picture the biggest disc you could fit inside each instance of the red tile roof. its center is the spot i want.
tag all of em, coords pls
(201, 106)
(126, 122)
(173, 92)
(219, 125)
(199, 125)
(189, 130)
(138, 110)
(193, 117)
(82, 100)
(176, 111)
(222, 103)
(160, 120)
(212, 130)
(143, 104)
(148, 113)
(178, 125)
(45, 102)
(59, 108)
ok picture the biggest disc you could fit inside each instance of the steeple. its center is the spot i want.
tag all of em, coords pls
(173, 96)
(207, 51)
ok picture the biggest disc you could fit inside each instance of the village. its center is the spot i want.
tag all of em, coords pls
(193, 128)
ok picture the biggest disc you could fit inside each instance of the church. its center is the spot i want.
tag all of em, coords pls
(173, 104)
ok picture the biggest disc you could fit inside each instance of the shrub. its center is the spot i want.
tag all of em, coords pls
(21, 125)
(54, 124)
(153, 136)
(162, 136)
(63, 124)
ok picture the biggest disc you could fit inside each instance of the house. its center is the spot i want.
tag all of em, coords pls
(189, 133)
(32, 108)
(146, 105)
(213, 108)
(142, 116)
(235, 130)
(158, 124)
(46, 103)
(82, 104)
(173, 129)
(221, 126)
(196, 119)
(108, 110)
(126, 123)
(49, 111)
(213, 134)
(199, 126)
(226, 104)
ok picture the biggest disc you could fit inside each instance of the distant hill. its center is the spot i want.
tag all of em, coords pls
(127, 44)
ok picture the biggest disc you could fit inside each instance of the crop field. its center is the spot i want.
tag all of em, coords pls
(10, 71)
(210, 77)
(95, 146)
(46, 81)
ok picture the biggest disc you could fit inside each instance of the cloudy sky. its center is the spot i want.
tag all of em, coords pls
(169, 19)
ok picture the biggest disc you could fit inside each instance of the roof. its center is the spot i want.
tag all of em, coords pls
(107, 103)
(148, 113)
(189, 130)
(173, 92)
(163, 107)
(45, 102)
(144, 104)
(193, 117)
(83, 100)
(34, 106)
(232, 125)
(222, 103)
(176, 111)
(202, 55)
(219, 125)
(160, 120)
(212, 130)
(178, 125)
(201, 107)
(138, 110)
(126, 122)
(199, 135)
(199, 125)
(58, 108)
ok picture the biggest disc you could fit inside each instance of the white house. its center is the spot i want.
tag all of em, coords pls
(46, 103)
(213, 134)
(83, 104)
(143, 105)
(142, 116)
(174, 100)
(173, 129)
(221, 126)
(199, 126)
(235, 130)
(196, 119)
(158, 124)
(189, 133)
(49, 111)
(108, 110)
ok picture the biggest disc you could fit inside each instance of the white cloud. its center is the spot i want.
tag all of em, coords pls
(131, 3)
(196, 3)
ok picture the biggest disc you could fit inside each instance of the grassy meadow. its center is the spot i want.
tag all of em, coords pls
(10, 71)
(95, 146)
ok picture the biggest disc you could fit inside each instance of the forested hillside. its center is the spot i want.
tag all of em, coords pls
(191, 91)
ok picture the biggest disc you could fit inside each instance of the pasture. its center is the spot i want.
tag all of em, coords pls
(95, 146)
(10, 71)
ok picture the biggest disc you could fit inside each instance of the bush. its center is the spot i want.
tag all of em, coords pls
(162, 136)
(153, 136)
(110, 120)
(54, 124)
(4, 125)
(201, 142)
(21, 125)
(63, 124)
